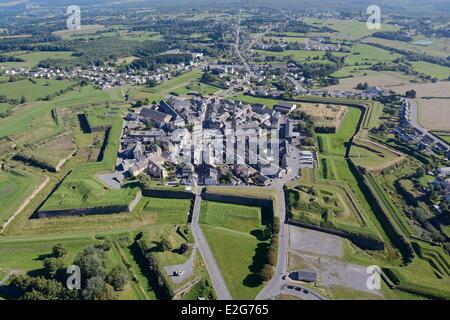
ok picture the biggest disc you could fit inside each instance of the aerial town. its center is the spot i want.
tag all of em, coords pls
(200, 150)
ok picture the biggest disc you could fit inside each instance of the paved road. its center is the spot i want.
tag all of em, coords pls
(414, 114)
(274, 286)
(217, 280)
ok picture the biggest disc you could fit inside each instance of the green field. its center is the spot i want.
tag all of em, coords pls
(230, 226)
(196, 87)
(4, 107)
(439, 47)
(174, 83)
(165, 211)
(366, 54)
(353, 28)
(433, 70)
(15, 187)
(33, 122)
(31, 59)
(32, 91)
(27, 256)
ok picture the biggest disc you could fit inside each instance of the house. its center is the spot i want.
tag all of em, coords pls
(156, 169)
(138, 168)
(211, 177)
(138, 151)
(157, 117)
(305, 276)
(285, 107)
(262, 180)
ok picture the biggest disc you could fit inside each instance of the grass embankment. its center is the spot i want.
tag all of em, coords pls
(228, 227)
(15, 187)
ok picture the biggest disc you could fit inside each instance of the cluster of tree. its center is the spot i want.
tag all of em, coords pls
(31, 43)
(10, 59)
(318, 70)
(421, 216)
(272, 231)
(398, 36)
(362, 86)
(51, 284)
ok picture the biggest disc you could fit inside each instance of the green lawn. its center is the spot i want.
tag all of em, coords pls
(166, 211)
(234, 217)
(433, 70)
(15, 187)
(335, 144)
(196, 87)
(234, 233)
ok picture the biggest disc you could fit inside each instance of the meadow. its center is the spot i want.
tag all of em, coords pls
(166, 211)
(32, 91)
(433, 70)
(438, 47)
(15, 256)
(230, 226)
(15, 187)
(354, 28)
(32, 59)
(197, 88)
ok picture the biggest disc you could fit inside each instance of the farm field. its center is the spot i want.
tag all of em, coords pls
(227, 227)
(355, 29)
(366, 54)
(386, 79)
(439, 47)
(433, 114)
(32, 91)
(31, 59)
(355, 71)
(433, 70)
(15, 187)
(440, 89)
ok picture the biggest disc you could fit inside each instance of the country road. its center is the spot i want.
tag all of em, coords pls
(217, 280)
